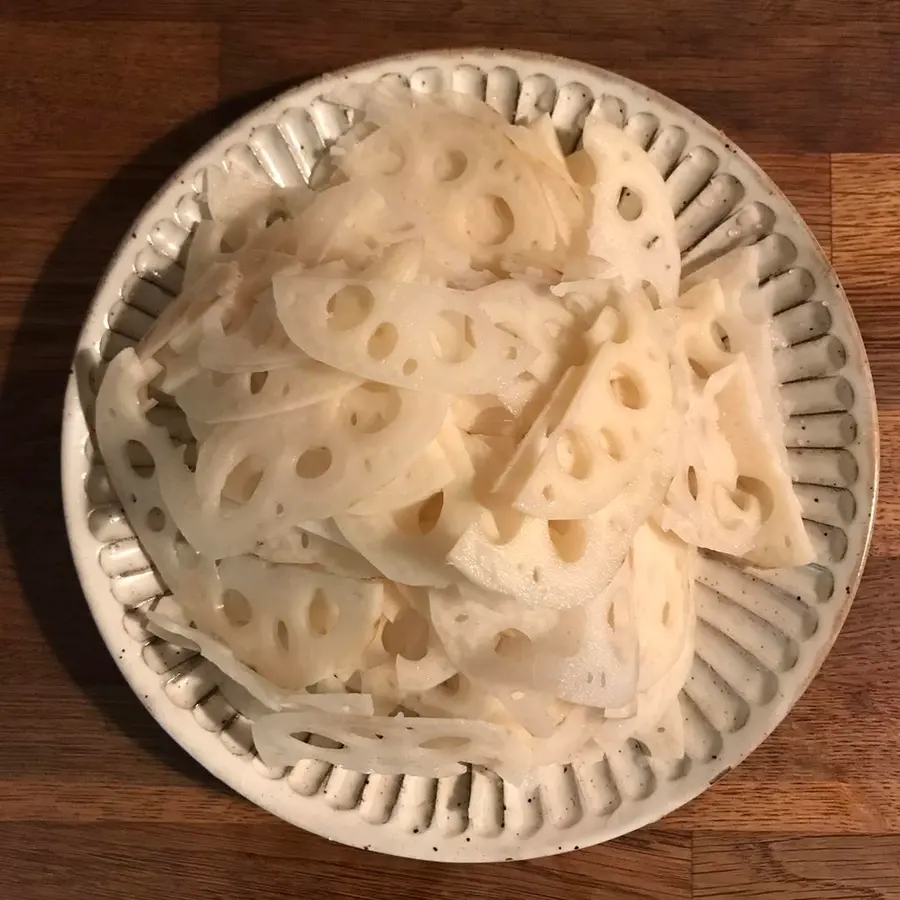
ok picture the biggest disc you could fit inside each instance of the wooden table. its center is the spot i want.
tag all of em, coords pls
(98, 106)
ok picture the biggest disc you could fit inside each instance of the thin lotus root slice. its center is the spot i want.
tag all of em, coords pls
(412, 647)
(132, 449)
(299, 547)
(424, 478)
(395, 745)
(542, 322)
(451, 172)
(214, 397)
(216, 284)
(493, 638)
(247, 203)
(257, 341)
(662, 584)
(652, 707)
(556, 563)
(410, 545)
(292, 625)
(418, 337)
(168, 621)
(540, 142)
(596, 431)
(585, 655)
(782, 539)
(631, 221)
(703, 505)
(723, 316)
(240, 331)
(307, 464)
(458, 697)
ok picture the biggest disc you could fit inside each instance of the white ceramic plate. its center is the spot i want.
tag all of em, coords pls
(761, 637)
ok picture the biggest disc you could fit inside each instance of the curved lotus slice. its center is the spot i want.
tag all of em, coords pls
(596, 432)
(540, 320)
(311, 463)
(292, 625)
(492, 638)
(410, 545)
(631, 222)
(414, 336)
(662, 583)
(721, 315)
(655, 707)
(560, 564)
(585, 655)
(448, 166)
(299, 547)
(257, 343)
(427, 475)
(703, 505)
(781, 539)
(168, 621)
(395, 745)
(214, 397)
(215, 287)
(134, 451)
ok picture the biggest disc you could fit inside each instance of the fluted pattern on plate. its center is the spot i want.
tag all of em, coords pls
(754, 627)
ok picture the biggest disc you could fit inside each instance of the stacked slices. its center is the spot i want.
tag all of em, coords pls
(424, 455)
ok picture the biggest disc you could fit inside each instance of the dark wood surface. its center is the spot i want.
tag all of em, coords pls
(100, 101)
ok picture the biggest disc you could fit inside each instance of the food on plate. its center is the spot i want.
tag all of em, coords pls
(443, 437)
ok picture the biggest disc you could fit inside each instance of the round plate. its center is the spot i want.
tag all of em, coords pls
(761, 636)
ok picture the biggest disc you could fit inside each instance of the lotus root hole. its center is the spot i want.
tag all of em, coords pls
(349, 307)
(450, 165)
(371, 407)
(430, 513)
(452, 686)
(573, 454)
(453, 338)
(282, 636)
(513, 644)
(627, 389)
(313, 463)
(383, 341)
(258, 381)
(569, 539)
(720, 337)
(406, 636)
(454, 742)
(156, 519)
(693, 485)
(630, 206)
(139, 459)
(761, 491)
(323, 613)
(489, 220)
(236, 608)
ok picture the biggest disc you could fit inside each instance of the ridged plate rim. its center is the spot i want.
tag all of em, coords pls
(274, 794)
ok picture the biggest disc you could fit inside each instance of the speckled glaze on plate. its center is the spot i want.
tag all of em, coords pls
(761, 635)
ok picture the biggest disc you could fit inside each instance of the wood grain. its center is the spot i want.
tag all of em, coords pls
(99, 106)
